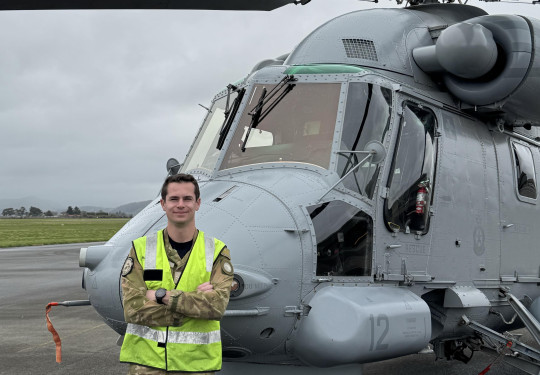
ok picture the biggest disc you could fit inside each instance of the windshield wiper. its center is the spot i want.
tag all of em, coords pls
(287, 90)
(230, 113)
(230, 87)
(257, 114)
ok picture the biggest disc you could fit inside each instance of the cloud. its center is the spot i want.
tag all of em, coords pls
(93, 103)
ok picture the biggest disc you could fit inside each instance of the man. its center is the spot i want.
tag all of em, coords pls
(176, 285)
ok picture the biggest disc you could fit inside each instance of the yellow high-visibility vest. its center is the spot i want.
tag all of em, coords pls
(195, 346)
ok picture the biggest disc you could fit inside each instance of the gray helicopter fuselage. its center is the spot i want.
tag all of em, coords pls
(369, 210)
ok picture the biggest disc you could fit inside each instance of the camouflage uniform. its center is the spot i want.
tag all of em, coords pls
(204, 305)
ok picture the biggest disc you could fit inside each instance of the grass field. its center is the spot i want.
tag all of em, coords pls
(28, 232)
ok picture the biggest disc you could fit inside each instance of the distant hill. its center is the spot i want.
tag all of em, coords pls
(91, 208)
(130, 208)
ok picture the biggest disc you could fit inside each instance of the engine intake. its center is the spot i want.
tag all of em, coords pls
(489, 62)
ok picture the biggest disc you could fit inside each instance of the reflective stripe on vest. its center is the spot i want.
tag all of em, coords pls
(209, 247)
(150, 257)
(175, 337)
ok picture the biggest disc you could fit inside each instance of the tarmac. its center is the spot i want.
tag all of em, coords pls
(31, 277)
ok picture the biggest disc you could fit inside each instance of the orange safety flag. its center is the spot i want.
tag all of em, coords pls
(51, 329)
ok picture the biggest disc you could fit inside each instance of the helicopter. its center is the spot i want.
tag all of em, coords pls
(377, 187)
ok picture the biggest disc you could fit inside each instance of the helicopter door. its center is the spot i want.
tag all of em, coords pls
(409, 195)
(410, 184)
(518, 164)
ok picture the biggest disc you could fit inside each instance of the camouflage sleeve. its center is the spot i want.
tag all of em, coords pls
(207, 305)
(137, 308)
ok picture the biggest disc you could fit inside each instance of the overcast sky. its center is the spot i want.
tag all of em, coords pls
(93, 103)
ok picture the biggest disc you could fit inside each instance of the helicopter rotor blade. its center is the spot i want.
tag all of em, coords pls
(265, 5)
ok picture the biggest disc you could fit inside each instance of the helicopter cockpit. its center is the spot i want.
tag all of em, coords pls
(308, 124)
(300, 128)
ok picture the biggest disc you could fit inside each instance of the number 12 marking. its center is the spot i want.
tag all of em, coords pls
(380, 318)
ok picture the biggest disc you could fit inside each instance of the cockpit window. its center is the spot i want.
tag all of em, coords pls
(300, 128)
(367, 118)
(204, 153)
(412, 171)
(525, 173)
(344, 239)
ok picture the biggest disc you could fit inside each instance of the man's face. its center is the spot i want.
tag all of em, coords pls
(180, 204)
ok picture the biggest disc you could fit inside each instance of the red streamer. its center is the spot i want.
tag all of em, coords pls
(51, 329)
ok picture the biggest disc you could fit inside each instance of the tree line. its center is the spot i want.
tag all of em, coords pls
(22, 212)
(70, 212)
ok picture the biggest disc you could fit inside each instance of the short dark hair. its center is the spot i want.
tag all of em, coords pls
(180, 178)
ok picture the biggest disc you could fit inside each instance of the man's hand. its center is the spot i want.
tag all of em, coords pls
(151, 295)
(205, 287)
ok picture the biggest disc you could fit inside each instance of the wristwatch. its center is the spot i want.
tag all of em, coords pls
(160, 293)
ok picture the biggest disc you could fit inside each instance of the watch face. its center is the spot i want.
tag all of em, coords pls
(160, 293)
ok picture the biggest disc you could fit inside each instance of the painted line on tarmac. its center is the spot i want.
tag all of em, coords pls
(51, 247)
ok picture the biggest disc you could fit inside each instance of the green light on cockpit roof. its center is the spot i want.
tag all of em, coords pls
(324, 69)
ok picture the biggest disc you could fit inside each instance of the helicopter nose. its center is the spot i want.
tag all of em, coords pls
(265, 241)
(256, 225)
